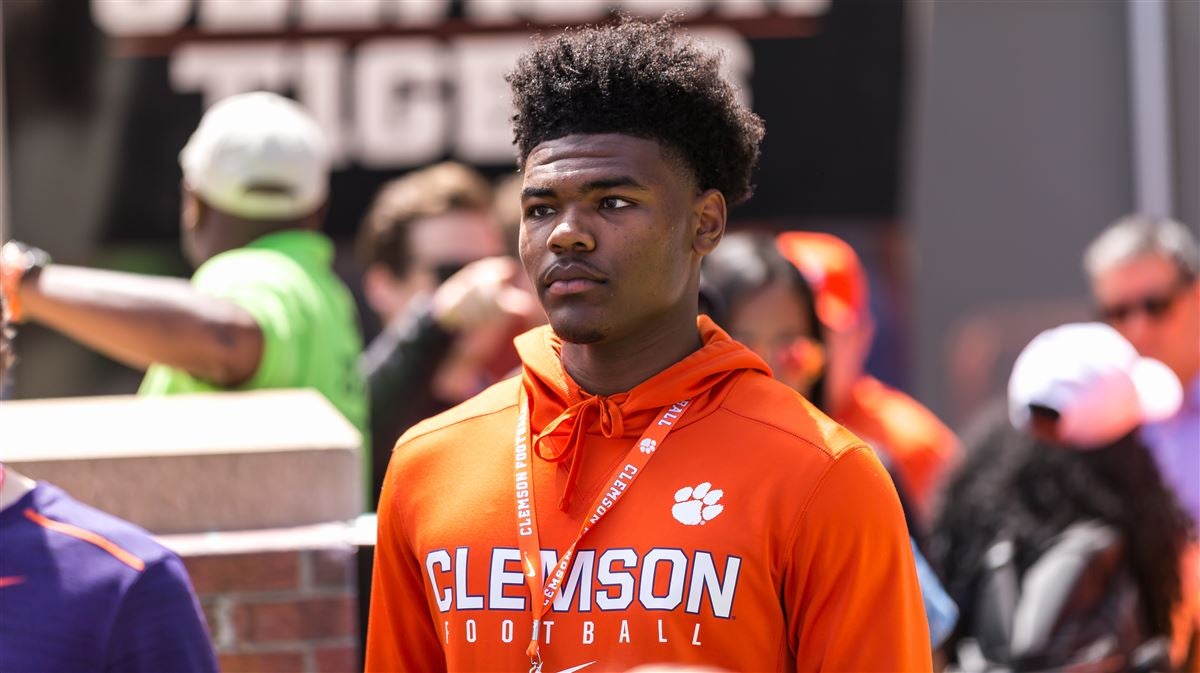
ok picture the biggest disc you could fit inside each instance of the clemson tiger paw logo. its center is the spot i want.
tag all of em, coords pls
(696, 505)
(648, 445)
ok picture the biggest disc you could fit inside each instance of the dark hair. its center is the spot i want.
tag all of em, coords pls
(443, 188)
(641, 79)
(1027, 489)
(745, 263)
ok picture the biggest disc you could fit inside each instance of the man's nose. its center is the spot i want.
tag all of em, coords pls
(1137, 328)
(571, 234)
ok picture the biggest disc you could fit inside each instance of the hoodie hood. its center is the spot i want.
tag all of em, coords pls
(561, 414)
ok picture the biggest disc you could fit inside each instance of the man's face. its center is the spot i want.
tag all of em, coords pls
(438, 246)
(607, 235)
(442, 244)
(1148, 301)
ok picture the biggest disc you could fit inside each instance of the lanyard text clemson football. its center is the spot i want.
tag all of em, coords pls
(541, 592)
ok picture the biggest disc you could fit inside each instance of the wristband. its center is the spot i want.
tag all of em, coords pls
(17, 261)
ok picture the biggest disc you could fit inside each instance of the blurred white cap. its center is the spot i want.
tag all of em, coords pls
(1096, 381)
(258, 156)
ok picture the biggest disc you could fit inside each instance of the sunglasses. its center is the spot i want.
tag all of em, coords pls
(1155, 306)
(443, 271)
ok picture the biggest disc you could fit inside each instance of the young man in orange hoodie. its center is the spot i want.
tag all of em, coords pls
(644, 492)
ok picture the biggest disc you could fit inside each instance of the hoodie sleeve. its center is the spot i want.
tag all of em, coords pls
(400, 633)
(851, 588)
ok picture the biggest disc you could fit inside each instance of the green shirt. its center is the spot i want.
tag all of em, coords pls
(307, 318)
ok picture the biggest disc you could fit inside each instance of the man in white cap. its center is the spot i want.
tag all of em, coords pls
(263, 310)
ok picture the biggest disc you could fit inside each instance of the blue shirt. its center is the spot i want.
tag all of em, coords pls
(81, 590)
(1175, 444)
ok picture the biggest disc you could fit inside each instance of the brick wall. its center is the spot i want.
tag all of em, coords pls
(277, 601)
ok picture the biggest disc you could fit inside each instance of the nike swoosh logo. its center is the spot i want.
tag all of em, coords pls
(577, 668)
(20, 579)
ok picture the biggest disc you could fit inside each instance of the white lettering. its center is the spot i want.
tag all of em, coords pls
(548, 625)
(399, 106)
(141, 17)
(446, 629)
(501, 577)
(339, 13)
(472, 632)
(579, 581)
(589, 632)
(705, 582)
(462, 599)
(624, 637)
(660, 633)
(552, 11)
(506, 631)
(662, 579)
(440, 558)
(607, 577)
(482, 132)
(412, 100)
(319, 88)
(678, 571)
(222, 70)
(260, 15)
(696, 635)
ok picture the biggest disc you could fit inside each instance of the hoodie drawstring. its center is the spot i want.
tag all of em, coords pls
(611, 425)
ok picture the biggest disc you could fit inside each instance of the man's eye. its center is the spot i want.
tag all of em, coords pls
(614, 202)
(537, 212)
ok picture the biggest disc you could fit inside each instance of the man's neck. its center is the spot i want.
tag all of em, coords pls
(620, 365)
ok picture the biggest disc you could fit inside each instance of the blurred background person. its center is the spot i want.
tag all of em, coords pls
(506, 209)
(437, 276)
(763, 301)
(1059, 540)
(84, 591)
(919, 446)
(1143, 272)
(264, 308)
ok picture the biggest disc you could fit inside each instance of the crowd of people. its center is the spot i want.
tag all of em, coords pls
(604, 428)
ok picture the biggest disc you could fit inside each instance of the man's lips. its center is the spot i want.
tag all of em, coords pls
(568, 286)
(571, 278)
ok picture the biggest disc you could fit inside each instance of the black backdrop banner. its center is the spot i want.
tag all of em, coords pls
(101, 95)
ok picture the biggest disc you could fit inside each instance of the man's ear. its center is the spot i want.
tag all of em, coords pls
(708, 218)
(192, 212)
(385, 293)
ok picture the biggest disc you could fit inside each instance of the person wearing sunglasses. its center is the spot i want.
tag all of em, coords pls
(437, 277)
(1143, 272)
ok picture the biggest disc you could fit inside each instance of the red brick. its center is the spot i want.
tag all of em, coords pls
(297, 619)
(261, 662)
(334, 567)
(337, 659)
(264, 571)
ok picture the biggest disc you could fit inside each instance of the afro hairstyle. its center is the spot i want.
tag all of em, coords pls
(644, 79)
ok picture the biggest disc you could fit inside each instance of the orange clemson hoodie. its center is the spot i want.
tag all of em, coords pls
(760, 536)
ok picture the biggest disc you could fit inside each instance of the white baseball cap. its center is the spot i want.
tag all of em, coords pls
(258, 156)
(1096, 381)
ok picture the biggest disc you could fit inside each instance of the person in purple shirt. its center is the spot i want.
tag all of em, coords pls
(1145, 278)
(81, 590)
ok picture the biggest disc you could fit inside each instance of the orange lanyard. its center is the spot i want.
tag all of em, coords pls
(619, 481)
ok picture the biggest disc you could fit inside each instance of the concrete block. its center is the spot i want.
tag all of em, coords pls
(193, 463)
